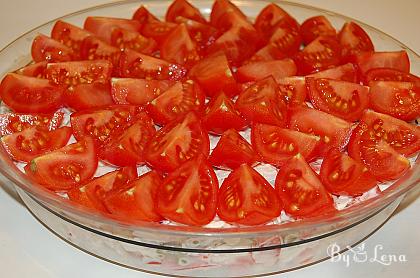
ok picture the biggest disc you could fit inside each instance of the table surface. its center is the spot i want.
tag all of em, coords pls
(28, 249)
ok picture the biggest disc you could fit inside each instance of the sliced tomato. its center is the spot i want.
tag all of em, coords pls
(342, 175)
(203, 34)
(286, 39)
(263, 103)
(123, 39)
(270, 18)
(293, 89)
(69, 35)
(214, 75)
(177, 142)
(301, 191)
(34, 141)
(157, 30)
(30, 94)
(50, 50)
(137, 200)
(138, 65)
(231, 151)
(93, 194)
(128, 148)
(102, 26)
(316, 26)
(221, 115)
(70, 74)
(185, 9)
(398, 99)
(188, 195)
(346, 72)
(322, 53)
(66, 167)
(87, 96)
(220, 14)
(334, 132)
(260, 70)
(343, 99)
(354, 40)
(247, 198)
(179, 48)
(394, 59)
(92, 48)
(143, 15)
(402, 136)
(388, 74)
(15, 122)
(34, 70)
(176, 102)
(276, 145)
(137, 91)
(267, 53)
(102, 124)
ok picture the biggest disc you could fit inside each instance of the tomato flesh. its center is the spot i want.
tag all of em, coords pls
(293, 89)
(103, 26)
(388, 74)
(93, 48)
(354, 40)
(346, 72)
(123, 38)
(316, 26)
(270, 18)
(33, 70)
(260, 70)
(393, 59)
(47, 49)
(14, 122)
(69, 35)
(88, 96)
(246, 198)
(184, 9)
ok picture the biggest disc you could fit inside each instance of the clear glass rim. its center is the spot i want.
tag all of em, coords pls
(379, 202)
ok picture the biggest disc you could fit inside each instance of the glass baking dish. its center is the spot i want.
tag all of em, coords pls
(196, 251)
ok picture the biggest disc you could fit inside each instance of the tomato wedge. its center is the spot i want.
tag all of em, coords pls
(103, 26)
(34, 141)
(286, 39)
(260, 70)
(246, 198)
(267, 53)
(321, 54)
(33, 70)
(50, 50)
(137, 91)
(354, 40)
(263, 103)
(92, 195)
(138, 65)
(393, 59)
(221, 115)
(342, 175)
(231, 151)
(123, 39)
(92, 48)
(30, 94)
(69, 35)
(388, 74)
(402, 136)
(346, 72)
(293, 89)
(343, 99)
(178, 141)
(137, 200)
(398, 99)
(214, 75)
(220, 11)
(143, 15)
(179, 47)
(102, 124)
(177, 101)
(316, 26)
(276, 145)
(203, 34)
(184, 9)
(87, 96)
(16, 122)
(128, 148)
(188, 195)
(334, 132)
(66, 167)
(301, 191)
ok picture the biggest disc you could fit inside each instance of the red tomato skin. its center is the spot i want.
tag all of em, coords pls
(93, 48)
(137, 200)
(35, 141)
(277, 145)
(143, 15)
(293, 89)
(342, 175)
(316, 26)
(346, 72)
(260, 70)
(184, 9)
(220, 11)
(69, 35)
(247, 198)
(214, 75)
(393, 59)
(271, 17)
(296, 171)
(354, 40)
(47, 49)
(33, 70)
(221, 115)
(342, 99)
(389, 74)
(123, 38)
(231, 151)
(88, 96)
(398, 99)
(180, 195)
(25, 94)
(167, 160)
